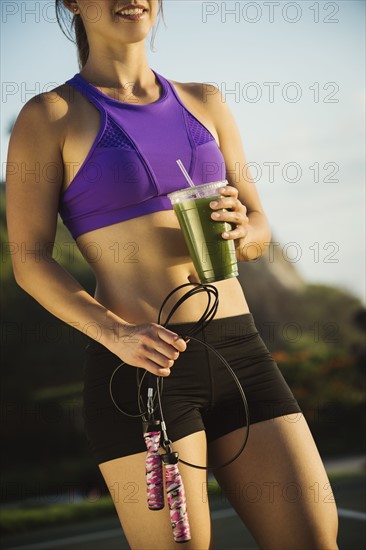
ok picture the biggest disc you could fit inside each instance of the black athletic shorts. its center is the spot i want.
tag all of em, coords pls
(199, 394)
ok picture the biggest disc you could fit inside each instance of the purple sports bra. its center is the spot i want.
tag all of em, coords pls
(131, 165)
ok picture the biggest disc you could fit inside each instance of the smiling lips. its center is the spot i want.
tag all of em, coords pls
(132, 13)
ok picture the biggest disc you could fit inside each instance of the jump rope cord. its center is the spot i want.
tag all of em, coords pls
(206, 318)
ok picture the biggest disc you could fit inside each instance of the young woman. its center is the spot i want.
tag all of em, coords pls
(107, 142)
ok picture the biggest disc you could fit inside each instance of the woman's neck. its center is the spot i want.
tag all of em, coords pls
(117, 69)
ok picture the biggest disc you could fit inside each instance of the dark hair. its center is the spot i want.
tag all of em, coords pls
(73, 28)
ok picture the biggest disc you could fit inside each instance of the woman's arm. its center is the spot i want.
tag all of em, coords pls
(33, 185)
(252, 234)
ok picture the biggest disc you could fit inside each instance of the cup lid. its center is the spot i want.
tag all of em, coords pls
(196, 192)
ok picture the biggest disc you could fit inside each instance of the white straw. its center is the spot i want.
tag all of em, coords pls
(185, 173)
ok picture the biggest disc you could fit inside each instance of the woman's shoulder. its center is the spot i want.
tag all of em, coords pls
(204, 92)
(51, 106)
(205, 97)
(48, 111)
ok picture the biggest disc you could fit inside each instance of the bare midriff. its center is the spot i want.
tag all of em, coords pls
(138, 262)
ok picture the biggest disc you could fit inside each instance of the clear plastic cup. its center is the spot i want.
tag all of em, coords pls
(213, 257)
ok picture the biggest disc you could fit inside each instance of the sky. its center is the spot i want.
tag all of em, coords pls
(293, 75)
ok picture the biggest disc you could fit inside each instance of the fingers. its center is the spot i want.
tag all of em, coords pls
(153, 348)
(159, 359)
(237, 216)
(161, 348)
(231, 217)
(155, 369)
(153, 361)
(227, 202)
(229, 191)
(171, 338)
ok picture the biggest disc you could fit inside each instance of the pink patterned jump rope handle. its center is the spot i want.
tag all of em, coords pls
(154, 473)
(176, 498)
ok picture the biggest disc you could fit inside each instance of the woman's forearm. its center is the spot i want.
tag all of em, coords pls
(58, 292)
(256, 241)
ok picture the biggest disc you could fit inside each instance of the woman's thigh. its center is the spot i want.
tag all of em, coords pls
(278, 485)
(146, 529)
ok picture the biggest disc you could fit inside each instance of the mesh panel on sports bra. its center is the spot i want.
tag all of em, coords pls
(114, 137)
(199, 133)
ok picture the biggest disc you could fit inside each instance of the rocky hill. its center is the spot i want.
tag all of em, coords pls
(271, 285)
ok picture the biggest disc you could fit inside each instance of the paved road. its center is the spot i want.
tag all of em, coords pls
(228, 534)
(228, 531)
(107, 535)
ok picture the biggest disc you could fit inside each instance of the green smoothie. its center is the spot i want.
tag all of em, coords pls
(213, 257)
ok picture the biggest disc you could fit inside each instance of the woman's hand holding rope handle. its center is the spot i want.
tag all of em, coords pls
(149, 346)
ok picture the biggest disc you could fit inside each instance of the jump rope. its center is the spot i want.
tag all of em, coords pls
(153, 428)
